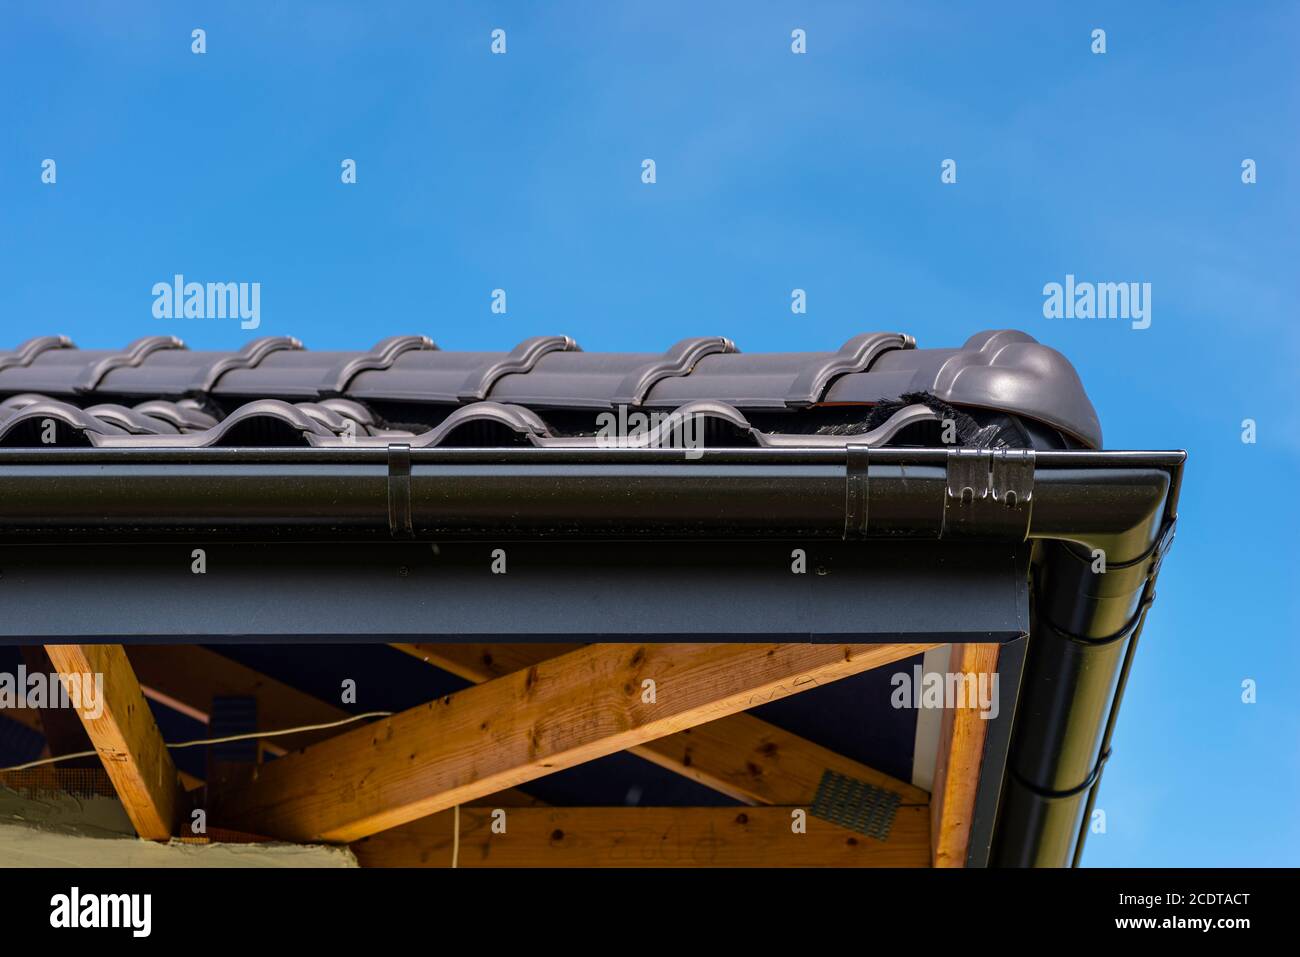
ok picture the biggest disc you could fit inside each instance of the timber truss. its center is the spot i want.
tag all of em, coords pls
(440, 784)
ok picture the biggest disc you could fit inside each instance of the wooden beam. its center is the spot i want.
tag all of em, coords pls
(646, 837)
(960, 756)
(742, 756)
(557, 714)
(126, 737)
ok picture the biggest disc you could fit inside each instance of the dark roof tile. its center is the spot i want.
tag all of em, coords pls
(443, 392)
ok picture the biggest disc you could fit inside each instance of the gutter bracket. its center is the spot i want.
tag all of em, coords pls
(990, 494)
(399, 491)
(856, 490)
(1090, 782)
(1163, 544)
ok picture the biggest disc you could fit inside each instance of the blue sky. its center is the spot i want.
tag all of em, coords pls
(774, 171)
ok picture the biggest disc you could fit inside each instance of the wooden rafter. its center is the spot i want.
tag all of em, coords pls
(553, 715)
(958, 762)
(126, 737)
(646, 837)
(741, 756)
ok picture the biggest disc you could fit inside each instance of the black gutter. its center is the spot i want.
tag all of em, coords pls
(490, 492)
(1085, 624)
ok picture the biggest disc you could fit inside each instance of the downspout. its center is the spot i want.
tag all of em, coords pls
(1086, 625)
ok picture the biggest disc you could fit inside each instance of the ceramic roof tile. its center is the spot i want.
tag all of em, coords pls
(418, 385)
